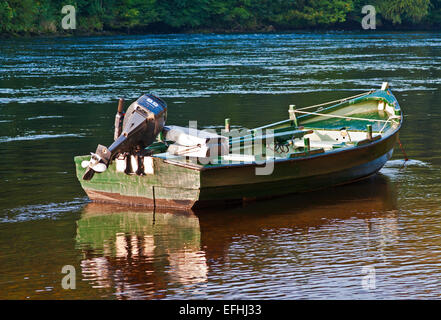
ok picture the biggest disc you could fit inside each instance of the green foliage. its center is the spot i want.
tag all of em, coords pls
(128, 14)
(434, 16)
(44, 16)
(6, 15)
(184, 13)
(22, 15)
(399, 10)
(324, 12)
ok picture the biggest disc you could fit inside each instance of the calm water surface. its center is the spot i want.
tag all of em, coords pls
(58, 99)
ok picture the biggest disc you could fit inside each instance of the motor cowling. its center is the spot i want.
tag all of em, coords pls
(143, 121)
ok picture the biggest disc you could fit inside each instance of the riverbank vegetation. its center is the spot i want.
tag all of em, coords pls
(41, 17)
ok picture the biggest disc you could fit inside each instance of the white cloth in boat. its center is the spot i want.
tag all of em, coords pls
(191, 142)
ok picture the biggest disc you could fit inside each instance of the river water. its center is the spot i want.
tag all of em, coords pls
(376, 239)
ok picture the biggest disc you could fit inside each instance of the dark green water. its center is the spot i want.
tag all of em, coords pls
(58, 99)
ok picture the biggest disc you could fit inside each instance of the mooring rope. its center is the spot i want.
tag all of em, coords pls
(406, 158)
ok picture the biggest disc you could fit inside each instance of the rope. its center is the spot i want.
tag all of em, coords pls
(279, 148)
(389, 119)
(342, 117)
(406, 158)
(336, 101)
(314, 106)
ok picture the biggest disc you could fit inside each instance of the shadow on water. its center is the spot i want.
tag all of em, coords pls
(133, 253)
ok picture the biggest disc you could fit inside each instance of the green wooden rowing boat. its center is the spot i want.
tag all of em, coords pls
(316, 147)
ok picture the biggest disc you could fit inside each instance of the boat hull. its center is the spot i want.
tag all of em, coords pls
(187, 186)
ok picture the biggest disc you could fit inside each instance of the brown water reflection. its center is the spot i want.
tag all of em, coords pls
(132, 253)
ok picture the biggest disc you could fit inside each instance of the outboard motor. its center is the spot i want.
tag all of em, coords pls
(143, 121)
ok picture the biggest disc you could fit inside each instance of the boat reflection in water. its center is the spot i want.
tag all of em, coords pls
(139, 254)
(368, 202)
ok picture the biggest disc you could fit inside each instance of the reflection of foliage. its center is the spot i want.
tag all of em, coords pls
(44, 16)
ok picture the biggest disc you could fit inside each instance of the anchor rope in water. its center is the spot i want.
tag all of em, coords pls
(406, 158)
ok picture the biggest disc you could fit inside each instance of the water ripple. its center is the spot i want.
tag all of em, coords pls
(38, 137)
(42, 211)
